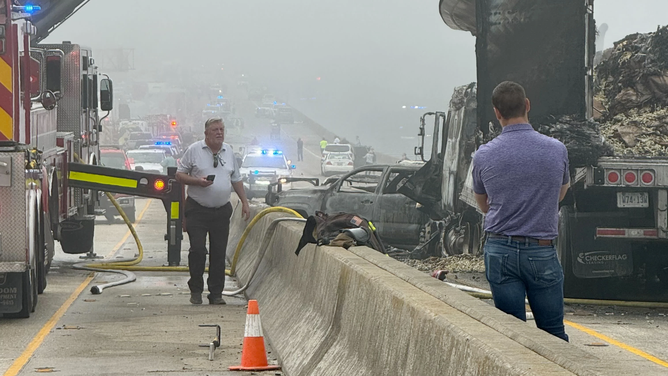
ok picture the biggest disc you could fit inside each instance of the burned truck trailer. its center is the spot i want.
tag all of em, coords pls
(613, 227)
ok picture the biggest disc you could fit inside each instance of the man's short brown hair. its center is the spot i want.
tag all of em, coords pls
(509, 99)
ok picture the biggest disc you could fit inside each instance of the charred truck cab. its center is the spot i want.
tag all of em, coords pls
(48, 119)
(613, 223)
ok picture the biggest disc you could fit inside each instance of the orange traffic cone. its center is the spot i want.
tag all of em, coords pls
(253, 354)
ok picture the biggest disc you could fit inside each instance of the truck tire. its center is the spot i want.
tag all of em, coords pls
(564, 249)
(42, 255)
(464, 239)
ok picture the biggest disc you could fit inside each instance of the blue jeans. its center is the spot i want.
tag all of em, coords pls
(518, 269)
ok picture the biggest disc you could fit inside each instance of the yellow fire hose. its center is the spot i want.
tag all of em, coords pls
(131, 264)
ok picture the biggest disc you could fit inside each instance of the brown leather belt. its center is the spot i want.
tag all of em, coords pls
(523, 239)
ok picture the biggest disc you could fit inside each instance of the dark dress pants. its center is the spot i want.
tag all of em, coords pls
(215, 222)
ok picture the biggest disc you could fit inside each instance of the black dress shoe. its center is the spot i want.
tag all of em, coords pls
(195, 298)
(217, 300)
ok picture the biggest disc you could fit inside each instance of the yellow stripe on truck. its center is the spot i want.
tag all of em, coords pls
(6, 125)
(175, 210)
(101, 179)
(6, 75)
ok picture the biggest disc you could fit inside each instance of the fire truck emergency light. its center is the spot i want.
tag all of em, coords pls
(159, 185)
(28, 8)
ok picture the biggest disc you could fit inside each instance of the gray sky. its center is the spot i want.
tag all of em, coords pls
(373, 56)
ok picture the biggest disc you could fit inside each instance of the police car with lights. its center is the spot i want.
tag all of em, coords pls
(263, 167)
(166, 146)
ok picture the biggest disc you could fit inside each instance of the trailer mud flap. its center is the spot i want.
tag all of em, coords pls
(11, 291)
(599, 258)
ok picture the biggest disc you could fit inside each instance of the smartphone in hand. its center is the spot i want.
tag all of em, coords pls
(210, 177)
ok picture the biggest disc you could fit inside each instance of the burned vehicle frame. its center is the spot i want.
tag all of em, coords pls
(370, 192)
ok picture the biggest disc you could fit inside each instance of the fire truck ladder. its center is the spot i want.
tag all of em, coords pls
(162, 187)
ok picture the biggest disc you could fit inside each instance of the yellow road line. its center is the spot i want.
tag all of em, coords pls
(21, 361)
(617, 343)
(128, 233)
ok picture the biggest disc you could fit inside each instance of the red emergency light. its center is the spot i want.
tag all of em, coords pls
(173, 123)
(159, 185)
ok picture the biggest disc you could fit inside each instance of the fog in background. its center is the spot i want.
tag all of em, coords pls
(372, 57)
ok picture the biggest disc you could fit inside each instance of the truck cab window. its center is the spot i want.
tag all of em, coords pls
(394, 179)
(365, 181)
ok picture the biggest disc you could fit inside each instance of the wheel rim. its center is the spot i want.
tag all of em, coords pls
(463, 240)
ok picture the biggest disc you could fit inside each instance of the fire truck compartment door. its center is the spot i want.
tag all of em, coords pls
(5, 171)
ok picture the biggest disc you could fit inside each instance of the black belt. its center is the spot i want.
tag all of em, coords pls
(197, 204)
(522, 239)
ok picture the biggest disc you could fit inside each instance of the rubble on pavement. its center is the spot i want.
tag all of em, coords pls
(453, 264)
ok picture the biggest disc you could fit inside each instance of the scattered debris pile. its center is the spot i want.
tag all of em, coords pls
(453, 264)
(581, 137)
(632, 94)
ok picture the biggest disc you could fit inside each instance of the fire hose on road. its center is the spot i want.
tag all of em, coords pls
(127, 266)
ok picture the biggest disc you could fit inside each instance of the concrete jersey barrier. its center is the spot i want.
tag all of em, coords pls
(332, 311)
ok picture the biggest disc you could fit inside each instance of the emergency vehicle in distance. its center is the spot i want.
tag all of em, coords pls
(260, 168)
(48, 119)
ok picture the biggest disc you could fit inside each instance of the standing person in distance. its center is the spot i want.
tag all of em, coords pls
(210, 171)
(370, 157)
(323, 145)
(519, 178)
(300, 149)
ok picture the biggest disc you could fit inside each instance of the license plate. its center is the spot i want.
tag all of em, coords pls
(632, 200)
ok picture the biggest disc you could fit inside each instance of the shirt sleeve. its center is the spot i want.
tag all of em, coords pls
(478, 185)
(185, 164)
(567, 172)
(236, 175)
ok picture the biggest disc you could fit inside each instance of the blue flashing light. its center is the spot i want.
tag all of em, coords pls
(256, 172)
(265, 151)
(220, 97)
(294, 167)
(278, 152)
(29, 8)
(163, 143)
(275, 102)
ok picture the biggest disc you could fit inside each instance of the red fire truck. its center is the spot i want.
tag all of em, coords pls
(48, 119)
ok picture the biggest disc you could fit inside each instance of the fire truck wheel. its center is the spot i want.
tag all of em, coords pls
(42, 255)
(54, 205)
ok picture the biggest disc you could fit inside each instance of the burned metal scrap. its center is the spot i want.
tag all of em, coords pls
(581, 137)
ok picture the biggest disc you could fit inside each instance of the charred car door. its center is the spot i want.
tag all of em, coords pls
(356, 193)
(398, 220)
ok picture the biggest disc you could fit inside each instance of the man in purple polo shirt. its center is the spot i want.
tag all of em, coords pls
(519, 178)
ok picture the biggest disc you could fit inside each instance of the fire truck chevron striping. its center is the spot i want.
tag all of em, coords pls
(102, 179)
(6, 98)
